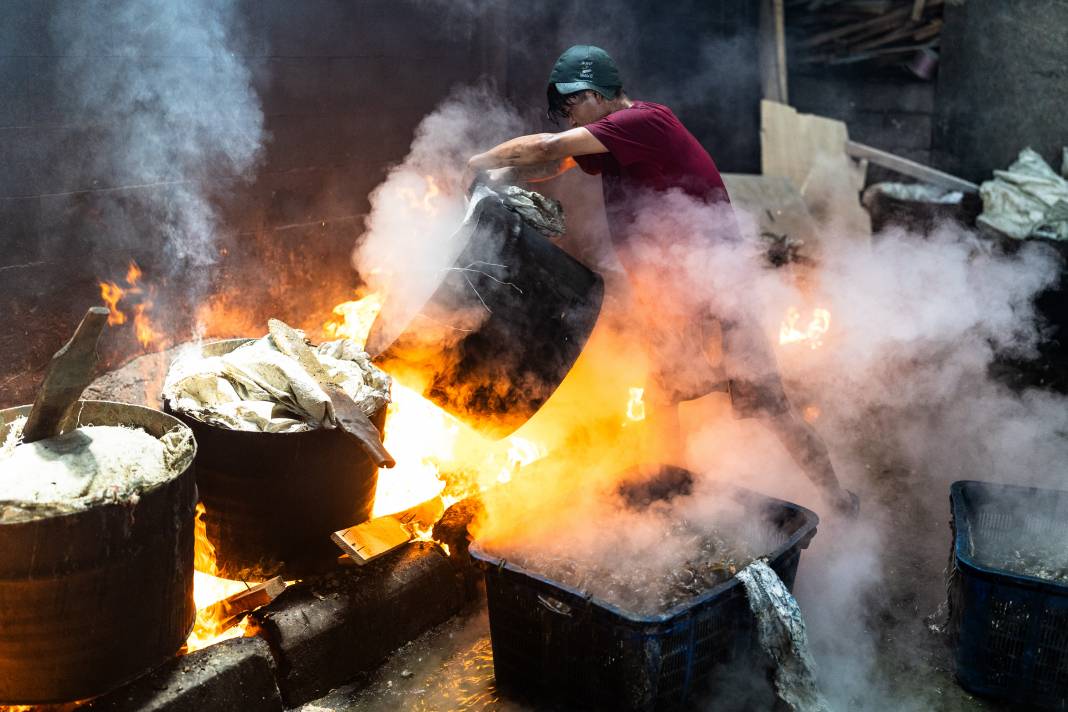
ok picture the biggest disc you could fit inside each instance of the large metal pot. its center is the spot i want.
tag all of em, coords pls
(91, 599)
(272, 500)
(502, 329)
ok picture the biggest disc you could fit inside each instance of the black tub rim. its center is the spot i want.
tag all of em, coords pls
(800, 539)
(151, 413)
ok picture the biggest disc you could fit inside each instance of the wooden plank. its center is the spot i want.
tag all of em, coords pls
(929, 30)
(887, 20)
(372, 539)
(69, 372)
(780, 48)
(909, 168)
(917, 9)
(893, 36)
(244, 601)
(810, 151)
(791, 142)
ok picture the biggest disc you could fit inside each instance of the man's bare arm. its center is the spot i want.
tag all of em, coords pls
(538, 148)
(535, 173)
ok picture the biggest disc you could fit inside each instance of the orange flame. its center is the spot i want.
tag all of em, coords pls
(564, 166)
(352, 320)
(790, 332)
(426, 202)
(208, 589)
(521, 452)
(112, 294)
(438, 457)
(432, 191)
(133, 273)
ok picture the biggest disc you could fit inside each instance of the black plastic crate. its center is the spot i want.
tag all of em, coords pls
(1010, 630)
(552, 642)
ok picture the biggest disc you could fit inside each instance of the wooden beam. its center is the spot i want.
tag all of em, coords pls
(928, 31)
(892, 36)
(888, 20)
(917, 9)
(773, 50)
(909, 168)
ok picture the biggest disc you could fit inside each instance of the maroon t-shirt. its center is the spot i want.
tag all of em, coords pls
(648, 150)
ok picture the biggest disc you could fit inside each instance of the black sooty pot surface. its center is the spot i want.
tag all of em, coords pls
(271, 500)
(503, 328)
(93, 598)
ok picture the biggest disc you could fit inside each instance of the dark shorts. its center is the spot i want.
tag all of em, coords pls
(683, 368)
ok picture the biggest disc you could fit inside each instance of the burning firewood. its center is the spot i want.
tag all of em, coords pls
(368, 541)
(228, 610)
(377, 537)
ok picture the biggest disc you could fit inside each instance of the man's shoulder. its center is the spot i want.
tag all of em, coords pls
(644, 112)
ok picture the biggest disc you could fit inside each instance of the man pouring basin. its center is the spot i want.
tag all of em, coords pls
(648, 160)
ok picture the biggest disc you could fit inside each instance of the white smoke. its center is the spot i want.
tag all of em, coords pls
(174, 115)
(421, 203)
(903, 382)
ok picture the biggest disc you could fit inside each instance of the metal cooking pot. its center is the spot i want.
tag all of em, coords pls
(94, 598)
(503, 327)
(272, 500)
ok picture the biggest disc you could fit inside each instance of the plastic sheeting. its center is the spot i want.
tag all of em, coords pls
(256, 387)
(781, 634)
(1027, 200)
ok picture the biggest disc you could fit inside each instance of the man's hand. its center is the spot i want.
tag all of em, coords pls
(472, 174)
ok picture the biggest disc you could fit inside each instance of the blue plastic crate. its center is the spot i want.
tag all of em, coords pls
(1010, 630)
(554, 643)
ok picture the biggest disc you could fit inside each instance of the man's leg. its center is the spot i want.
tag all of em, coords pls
(756, 390)
(808, 450)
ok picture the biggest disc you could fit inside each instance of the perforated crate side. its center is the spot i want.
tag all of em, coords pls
(1010, 631)
(552, 643)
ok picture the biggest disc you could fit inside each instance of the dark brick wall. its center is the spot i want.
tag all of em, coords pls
(893, 114)
(1003, 84)
(698, 57)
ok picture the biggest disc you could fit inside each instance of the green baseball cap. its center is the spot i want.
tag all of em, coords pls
(585, 67)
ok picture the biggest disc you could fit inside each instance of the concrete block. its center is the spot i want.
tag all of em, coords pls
(236, 674)
(327, 630)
